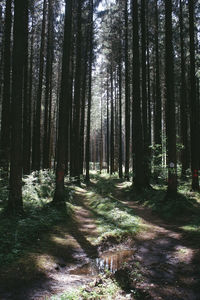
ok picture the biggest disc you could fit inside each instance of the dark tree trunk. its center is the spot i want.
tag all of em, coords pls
(83, 97)
(144, 89)
(158, 115)
(193, 104)
(87, 151)
(111, 124)
(26, 106)
(120, 120)
(170, 103)
(183, 105)
(5, 119)
(15, 204)
(108, 131)
(64, 104)
(36, 146)
(77, 97)
(139, 180)
(127, 96)
(149, 95)
(49, 62)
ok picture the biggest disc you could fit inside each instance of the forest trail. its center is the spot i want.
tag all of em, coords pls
(165, 263)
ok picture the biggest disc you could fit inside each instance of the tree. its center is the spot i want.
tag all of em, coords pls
(183, 101)
(15, 204)
(64, 103)
(5, 119)
(194, 129)
(127, 95)
(36, 151)
(139, 180)
(170, 102)
(87, 152)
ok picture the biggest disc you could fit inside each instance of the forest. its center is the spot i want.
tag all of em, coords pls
(99, 149)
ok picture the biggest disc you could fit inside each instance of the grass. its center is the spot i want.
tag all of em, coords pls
(17, 235)
(104, 287)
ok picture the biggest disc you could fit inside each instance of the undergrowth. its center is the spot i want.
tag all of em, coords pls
(18, 234)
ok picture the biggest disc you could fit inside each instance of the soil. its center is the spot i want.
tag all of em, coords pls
(160, 262)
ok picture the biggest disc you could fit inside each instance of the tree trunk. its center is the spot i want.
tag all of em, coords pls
(77, 96)
(183, 105)
(36, 146)
(138, 146)
(87, 152)
(64, 103)
(158, 115)
(127, 96)
(170, 103)
(49, 62)
(5, 119)
(15, 204)
(193, 104)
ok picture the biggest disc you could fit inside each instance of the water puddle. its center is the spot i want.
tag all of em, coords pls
(113, 261)
(110, 260)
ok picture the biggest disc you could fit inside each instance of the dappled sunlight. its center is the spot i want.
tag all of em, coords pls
(45, 262)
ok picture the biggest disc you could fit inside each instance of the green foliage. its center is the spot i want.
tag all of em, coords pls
(104, 288)
(113, 218)
(18, 234)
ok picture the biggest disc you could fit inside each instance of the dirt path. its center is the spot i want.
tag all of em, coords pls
(167, 260)
(165, 264)
(50, 268)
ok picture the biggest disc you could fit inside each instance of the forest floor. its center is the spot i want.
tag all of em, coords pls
(114, 246)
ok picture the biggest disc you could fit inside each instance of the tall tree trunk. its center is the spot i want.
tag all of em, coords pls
(49, 62)
(144, 89)
(5, 119)
(77, 97)
(158, 115)
(138, 156)
(36, 146)
(127, 96)
(87, 151)
(193, 104)
(170, 103)
(83, 97)
(107, 127)
(15, 204)
(26, 107)
(120, 119)
(183, 105)
(111, 124)
(64, 103)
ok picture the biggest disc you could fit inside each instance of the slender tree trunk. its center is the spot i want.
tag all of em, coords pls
(170, 102)
(183, 94)
(120, 120)
(36, 150)
(158, 115)
(87, 153)
(108, 131)
(46, 146)
(26, 106)
(127, 96)
(193, 104)
(77, 96)
(83, 97)
(138, 156)
(64, 104)
(111, 125)
(5, 118)
(144, 89)
(15, 204)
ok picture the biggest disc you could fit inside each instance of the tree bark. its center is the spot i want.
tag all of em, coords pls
(15, 204)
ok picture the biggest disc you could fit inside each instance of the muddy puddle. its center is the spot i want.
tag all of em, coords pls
(108, 261)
